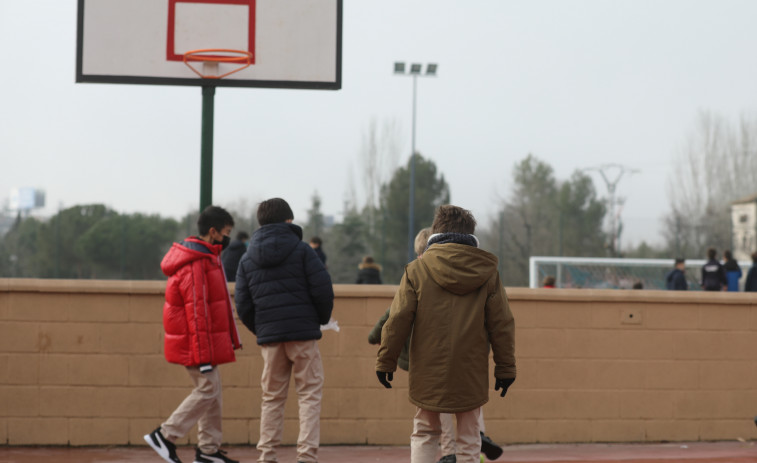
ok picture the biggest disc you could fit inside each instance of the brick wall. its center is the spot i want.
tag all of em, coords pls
(81, 363)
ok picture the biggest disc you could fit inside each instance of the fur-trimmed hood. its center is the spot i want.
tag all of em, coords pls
(373, 265)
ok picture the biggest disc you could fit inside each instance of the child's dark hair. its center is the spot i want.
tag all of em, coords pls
(316, 240)
(213, 217)
(727, 255)
(453, 219)
(274, 210)
(243, 235)
(712, 253)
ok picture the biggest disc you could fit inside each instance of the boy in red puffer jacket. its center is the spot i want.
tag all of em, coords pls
(200, 334)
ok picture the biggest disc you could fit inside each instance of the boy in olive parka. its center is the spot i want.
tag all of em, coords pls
(455, 305)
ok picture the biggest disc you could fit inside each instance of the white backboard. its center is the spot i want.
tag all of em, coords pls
(292, 43)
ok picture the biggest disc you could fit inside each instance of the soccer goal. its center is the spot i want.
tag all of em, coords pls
(612, 273)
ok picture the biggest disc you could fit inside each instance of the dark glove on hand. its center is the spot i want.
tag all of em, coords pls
(206, 368)
(504, 384)
(384, 378)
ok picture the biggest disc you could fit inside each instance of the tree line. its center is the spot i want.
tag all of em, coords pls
(542, 215)
(94, 241)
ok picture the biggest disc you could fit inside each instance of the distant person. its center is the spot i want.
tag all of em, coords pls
(638, 285)
(676, 278)
(369, 272)
(732, 271)
(713, 274)
(317, 244)
(549, 282)
(233, 253)
(453, 302)
(750, 284)
(200, 333)
(284, 294)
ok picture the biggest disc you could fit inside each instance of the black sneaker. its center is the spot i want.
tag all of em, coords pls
(448, 459)
(218, 457)
(489, 448)
(165, 448)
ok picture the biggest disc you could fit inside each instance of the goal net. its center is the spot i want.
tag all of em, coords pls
(612, 273)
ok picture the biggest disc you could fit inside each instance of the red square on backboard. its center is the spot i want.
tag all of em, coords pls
(171, 53)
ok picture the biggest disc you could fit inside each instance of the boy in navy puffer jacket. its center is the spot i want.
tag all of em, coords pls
(284, 295)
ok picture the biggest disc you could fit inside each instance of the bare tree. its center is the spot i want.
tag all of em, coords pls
(717, 165)
(742, 165)
(379, 156)
(349, 197)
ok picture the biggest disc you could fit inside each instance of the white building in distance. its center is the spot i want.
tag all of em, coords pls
(744, 220)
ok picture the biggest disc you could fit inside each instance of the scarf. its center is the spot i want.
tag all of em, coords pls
(459, 238)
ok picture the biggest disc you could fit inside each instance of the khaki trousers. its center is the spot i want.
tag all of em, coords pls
(282, 360)
(447, 439)
(203, 407)
(427, 428)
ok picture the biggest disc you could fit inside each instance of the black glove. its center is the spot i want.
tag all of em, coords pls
(504, 384)
(384, 378)
(206, 368)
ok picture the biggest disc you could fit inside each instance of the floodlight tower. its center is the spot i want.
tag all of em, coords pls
(612, 184)
(415, 71)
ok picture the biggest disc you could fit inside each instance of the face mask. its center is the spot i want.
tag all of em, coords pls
(225, 242)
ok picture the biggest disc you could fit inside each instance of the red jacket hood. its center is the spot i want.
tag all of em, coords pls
(187, 251)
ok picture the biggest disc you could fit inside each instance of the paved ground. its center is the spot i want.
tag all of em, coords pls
(698, 452)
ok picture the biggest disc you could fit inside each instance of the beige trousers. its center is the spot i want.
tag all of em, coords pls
(427, 428)
(302, 359)
(447, 439)
(202, 406)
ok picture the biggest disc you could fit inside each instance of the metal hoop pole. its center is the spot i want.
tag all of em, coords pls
(206, 147)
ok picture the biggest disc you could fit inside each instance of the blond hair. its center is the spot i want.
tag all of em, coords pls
(421, 240)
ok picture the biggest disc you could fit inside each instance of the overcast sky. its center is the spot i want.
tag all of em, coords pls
(577, 83)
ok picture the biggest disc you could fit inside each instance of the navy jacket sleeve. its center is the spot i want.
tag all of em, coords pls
(723, 278)
(319, 286)
(751, 280)
(243, 298)
(680, 282)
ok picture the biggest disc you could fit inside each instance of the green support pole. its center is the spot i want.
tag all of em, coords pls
(206, 153)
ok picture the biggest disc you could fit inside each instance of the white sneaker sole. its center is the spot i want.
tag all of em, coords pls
(159, 449)
(213, 459)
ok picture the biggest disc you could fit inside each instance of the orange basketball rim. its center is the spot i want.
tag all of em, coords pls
(217, 56)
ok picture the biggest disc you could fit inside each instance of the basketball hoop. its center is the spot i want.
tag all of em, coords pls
(212, 57)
